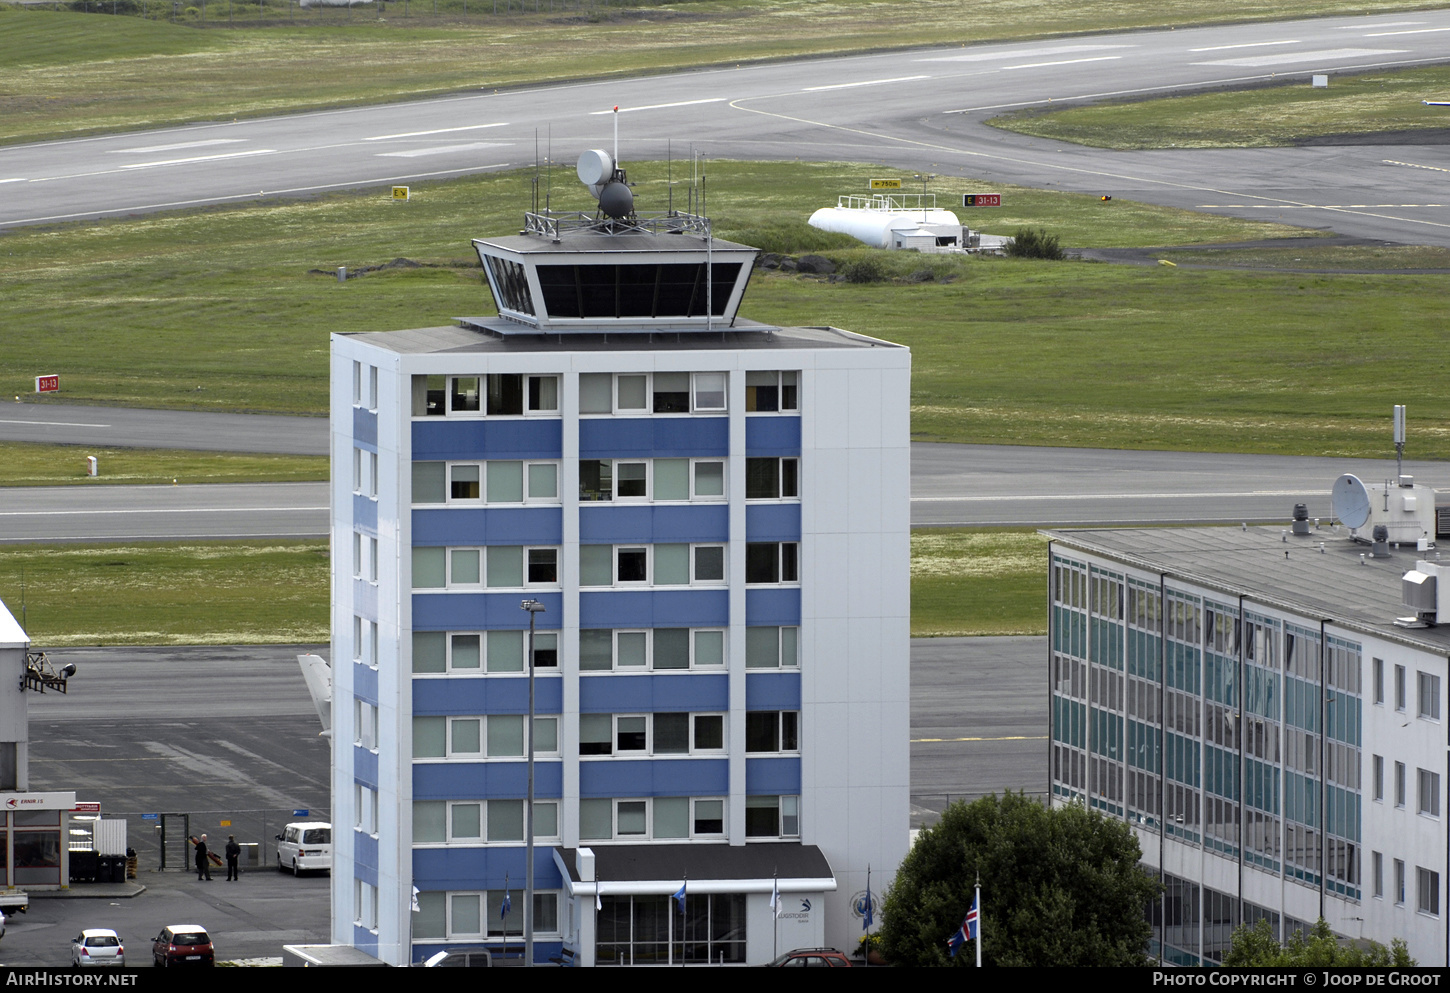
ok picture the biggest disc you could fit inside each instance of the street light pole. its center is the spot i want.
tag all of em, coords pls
(533, 607)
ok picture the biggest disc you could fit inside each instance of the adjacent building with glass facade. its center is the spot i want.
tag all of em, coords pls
(714, 516)
(1247, 701)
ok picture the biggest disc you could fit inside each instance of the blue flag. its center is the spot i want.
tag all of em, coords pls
(505, 907)
(680, 895)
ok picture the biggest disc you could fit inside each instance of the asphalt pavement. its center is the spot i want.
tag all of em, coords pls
(912, 110)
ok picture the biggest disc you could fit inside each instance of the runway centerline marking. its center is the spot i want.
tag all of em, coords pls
(1415, 165)
(1022, 53)
(1387, 24)
(866, 82)
(199, 158)
(1390, 34)
(57, 424)
(148, 149)
(659, 106)
(1289, 58)
(1064, 62)
(1247, 44)
(414, 153)
(420, 134)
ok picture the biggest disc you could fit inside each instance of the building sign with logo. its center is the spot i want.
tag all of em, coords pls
(38, 801)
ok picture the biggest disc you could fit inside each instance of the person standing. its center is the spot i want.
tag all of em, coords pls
(234, 852)
(203, 867)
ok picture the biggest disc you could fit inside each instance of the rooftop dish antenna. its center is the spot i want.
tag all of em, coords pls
(607, 183)
(1349, 501)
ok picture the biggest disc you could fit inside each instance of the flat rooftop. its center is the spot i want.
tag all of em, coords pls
(746, 335)
(575, 241)
(1325, 574)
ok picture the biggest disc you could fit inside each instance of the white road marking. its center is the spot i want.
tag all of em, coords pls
(1389, 34)
(1314, 206)
(866, 82)
(658, 106)
(1386, 24)
(1322, 55)
(199, 158)
(420, 134)
(18, 179)
(1023, 53)
(1118, 496)
(58, 424)
(1247, 44)
(148, 149)
(414, 153)
(1064, 62)
(1414, 165)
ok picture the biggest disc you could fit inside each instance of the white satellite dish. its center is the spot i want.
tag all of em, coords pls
(1350, 501)
(596, 167)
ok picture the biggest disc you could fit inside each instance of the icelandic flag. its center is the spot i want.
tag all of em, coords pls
(967, 932)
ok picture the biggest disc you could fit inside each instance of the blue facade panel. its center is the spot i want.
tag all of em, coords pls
(481, 868)
(515, 438)
(440, 697)
(773, 691)
(365, 857)
(484, 611)
(772, 607)
(651, 609)
(493, 526)
(364, 940)
(365, 683)
(779, 436)
(364, 513)
(365, 766)
(365, 427)
(486, 780)
(604, 524)
(773, 522)
(653, 437)
(609, 694)
(766, 777)
(654, 777)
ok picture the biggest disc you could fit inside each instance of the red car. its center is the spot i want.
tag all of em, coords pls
(182, 944)
(829, 958)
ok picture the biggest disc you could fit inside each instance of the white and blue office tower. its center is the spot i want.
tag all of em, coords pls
(713, 514)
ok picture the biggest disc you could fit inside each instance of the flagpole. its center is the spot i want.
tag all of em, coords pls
(978, 904)
(867, 918)
(775, 914)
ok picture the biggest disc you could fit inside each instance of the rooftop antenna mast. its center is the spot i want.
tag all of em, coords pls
(548, 166)
(1399, 439)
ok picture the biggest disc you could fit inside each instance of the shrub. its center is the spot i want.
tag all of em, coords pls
(1034, 243)
(865, 270)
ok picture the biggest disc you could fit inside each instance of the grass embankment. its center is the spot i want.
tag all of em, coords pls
(65, 74)
(63, 465)
(196, 593)
(276, 592)
(1292, 113)
(216, 309)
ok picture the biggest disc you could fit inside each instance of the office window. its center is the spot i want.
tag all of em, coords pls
(365, 899)
(543, 394)
(1399, 784)
(504, 481)
(602, 480)
(1378, 867)
(772, 562)
(357, 384)
(651, 819)
(372, 655)
(771, 647)
(479, 737)
(1429, 891)
(372, 475)
(658, 565)
(365, 724)
(639, 735)
(659, 393)
(494, 395)
(372, 387)
(1429, 792)
(1399, 687)
(772, 731)
(772, 479)
(357, 555)
(605, 649)
(372, 559)
(1377, 675)
(471, 916)
(1399, 882)
(1379, 777)
(768, 392)
(772, 817)
(494, 567)
(1429, 695)
(357, 638)
(477, 652)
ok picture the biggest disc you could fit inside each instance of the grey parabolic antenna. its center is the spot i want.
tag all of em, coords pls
(1350, 500)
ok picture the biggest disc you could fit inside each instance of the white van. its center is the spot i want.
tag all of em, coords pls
(305, 847)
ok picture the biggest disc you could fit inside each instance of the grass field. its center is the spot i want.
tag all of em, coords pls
(198, 593)
(276, 592)
(217, 309)
(65, 465)
(1371, 103)
(978, 581)
(65, 74)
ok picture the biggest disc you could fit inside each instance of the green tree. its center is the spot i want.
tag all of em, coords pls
(1257, 947)
(1060, 887)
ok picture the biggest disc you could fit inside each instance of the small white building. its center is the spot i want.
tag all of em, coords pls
(1268, 713)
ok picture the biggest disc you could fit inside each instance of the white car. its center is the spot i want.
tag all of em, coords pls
(305, 846)
(97, 946)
